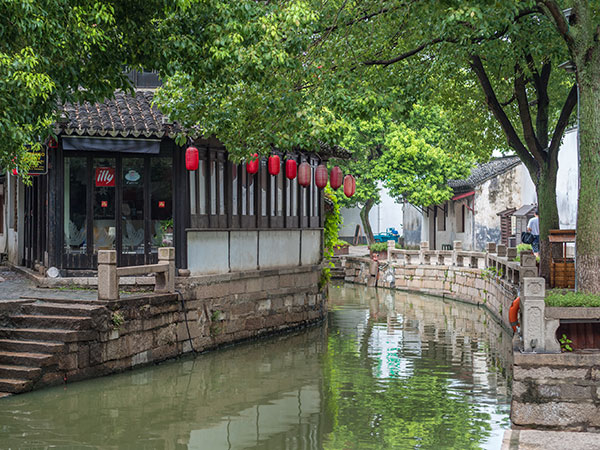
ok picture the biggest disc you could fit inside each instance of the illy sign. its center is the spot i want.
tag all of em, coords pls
(105, 176)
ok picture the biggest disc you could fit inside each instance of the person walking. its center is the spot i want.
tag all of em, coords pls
(533, 226)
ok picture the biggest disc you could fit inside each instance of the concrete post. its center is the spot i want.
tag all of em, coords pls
(391, 245)
(490, 247)
(108, 281)
(165, 281)
(457, 247)
(528, 267)
(511, 253)
(423, 248)
(501, 250)
(533, 309)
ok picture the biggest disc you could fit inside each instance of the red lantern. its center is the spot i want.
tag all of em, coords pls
(191, 158)
(335, 178)
(291, 168)
(274, 165)
(52, 143)
(252, 165)
(15, 173)
(349, 185)
(304, 174)
(321, 176)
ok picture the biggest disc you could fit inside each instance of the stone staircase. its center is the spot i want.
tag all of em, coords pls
(34, 336)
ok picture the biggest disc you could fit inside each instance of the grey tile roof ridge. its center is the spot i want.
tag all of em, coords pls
(484, 172)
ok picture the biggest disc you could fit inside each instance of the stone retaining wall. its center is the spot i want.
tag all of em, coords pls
(220, 309)
(465, 284)
(556, 391)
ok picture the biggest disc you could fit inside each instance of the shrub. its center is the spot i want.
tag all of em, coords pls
(378, 247)
(570, 298)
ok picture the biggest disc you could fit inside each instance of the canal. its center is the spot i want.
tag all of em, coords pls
(387, 370)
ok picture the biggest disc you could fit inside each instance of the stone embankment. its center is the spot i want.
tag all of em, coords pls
(46, 341)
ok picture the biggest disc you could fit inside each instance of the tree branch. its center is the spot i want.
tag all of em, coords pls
(559, 20)
(563, 121)
(414, 51)
(494, 106)
(525, 115)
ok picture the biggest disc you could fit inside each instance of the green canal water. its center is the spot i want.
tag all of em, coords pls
(386, 370)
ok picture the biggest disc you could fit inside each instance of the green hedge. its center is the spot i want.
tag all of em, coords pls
(570, 298)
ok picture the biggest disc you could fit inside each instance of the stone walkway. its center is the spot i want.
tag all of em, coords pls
(14, 286)
(549, 440)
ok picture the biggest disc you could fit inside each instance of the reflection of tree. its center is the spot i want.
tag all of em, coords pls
(421, 410)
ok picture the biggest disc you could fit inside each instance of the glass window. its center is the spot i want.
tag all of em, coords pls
(263, 187)
(193, 189)
(104, 203)
(161, 203)
(202, 186)
(75, 207)
(221, 167)
(213, 187)
(279, 187)
(132, 206)
(234, 189)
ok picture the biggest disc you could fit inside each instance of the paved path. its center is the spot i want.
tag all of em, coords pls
(358, 250)
(14, 286)
(549, 440)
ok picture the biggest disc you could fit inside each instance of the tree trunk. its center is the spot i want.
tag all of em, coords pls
(364, 217)
(549, 220)
(588, 211)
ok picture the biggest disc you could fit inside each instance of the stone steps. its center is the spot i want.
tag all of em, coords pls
(31, 350)
(14, 385)
(54, 335)
(57, 322)
(30, 346)
(20, 372)
(59, 309)
(26, 359)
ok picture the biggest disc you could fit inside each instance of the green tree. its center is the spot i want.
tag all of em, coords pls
(56, 51)
(413, 159)
(492, 65)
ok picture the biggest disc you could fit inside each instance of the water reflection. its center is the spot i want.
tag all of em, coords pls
(388, 370)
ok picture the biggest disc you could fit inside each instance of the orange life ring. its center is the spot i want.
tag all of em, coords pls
(513, 313)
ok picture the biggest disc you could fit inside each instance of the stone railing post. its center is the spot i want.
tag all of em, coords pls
(108, 281)
(528, 267)
(490, 248)
(533, 311)
(456, 247)
(501, 250)
(511, 253)
(391, 245)
(165, 281)
(423, 248)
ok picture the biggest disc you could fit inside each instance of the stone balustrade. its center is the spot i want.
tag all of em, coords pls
(109, 273)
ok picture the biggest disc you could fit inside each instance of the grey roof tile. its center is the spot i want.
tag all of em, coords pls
(483, 172)
(124, 115)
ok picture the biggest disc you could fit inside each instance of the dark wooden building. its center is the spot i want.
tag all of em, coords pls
(117, 180)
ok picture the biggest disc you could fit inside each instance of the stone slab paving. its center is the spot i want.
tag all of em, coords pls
(358, 250)
(549, 440)
(14, 286)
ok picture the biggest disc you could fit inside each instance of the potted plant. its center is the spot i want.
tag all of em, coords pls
(379, 249)
(341, 248)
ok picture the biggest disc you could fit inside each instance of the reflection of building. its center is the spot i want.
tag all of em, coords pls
(117, 180)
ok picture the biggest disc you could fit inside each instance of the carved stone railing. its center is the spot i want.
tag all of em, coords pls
(109, 273)
(500, 258)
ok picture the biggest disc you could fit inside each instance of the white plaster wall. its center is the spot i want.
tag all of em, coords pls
(243, 246)
(386, 214)
(311, 247)
(567, 186)
(279, 248)
(208, 252)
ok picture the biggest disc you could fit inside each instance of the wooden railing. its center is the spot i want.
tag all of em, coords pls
(109, 273)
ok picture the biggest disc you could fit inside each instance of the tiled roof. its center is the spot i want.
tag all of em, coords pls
(125, 115)
(483, 172)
